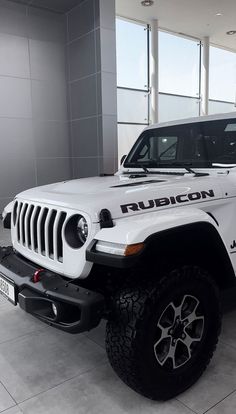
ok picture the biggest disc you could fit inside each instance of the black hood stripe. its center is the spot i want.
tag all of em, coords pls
(138, 183)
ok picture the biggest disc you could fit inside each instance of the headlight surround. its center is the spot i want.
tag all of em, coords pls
(82, 229)
(76, 231)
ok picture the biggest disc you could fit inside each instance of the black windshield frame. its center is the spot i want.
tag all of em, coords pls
(198, 144)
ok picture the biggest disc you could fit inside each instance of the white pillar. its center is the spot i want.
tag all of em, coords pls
(205, 75)
(154, 83)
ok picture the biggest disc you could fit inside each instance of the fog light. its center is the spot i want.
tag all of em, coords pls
(59, 311)
(55, 310)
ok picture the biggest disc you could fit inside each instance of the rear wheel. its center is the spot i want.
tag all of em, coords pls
(161, 338)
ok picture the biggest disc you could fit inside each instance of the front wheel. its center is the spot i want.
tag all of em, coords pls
(161, 338)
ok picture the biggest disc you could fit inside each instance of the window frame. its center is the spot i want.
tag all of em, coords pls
(144, 90)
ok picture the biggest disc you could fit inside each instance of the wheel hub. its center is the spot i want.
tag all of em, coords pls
(181, 328)
(178, 330)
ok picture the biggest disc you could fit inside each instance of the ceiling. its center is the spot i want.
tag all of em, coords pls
(191, 17)
(59, 6)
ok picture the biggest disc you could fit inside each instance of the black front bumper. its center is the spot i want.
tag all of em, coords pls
(78, 309)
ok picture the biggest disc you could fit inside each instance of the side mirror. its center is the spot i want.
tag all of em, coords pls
(122, 159)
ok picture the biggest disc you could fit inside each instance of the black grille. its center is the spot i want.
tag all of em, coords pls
(40, 229)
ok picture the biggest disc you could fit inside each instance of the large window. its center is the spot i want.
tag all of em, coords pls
(131, 46)
(132, 82)
(127, 135)
(177, 107)
(222, 82)
(178, 65)
(179, 77)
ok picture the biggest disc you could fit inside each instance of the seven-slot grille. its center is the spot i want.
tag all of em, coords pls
(39, 229)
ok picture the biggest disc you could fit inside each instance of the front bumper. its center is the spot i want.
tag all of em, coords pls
(78, 309)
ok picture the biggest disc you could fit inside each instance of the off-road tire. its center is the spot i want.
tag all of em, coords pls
(131, 330)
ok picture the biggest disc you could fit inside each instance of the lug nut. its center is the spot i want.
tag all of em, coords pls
(171, 331)
(183, 336)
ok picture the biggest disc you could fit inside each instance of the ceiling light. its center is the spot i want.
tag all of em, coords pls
(147, 2)
(231, 32)
(218, 14)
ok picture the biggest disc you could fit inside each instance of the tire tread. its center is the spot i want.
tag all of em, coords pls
(132, 307)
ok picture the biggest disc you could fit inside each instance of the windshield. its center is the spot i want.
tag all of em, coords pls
(202, 144)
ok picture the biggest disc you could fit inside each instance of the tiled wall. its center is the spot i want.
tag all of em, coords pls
(34, 133)
(108, 118)
(57, 94)
(92, 87)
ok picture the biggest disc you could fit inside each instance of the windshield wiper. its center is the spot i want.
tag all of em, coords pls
(145, 169)
(187, 168)
(157, 165)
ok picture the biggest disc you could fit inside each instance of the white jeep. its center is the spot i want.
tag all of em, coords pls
(148, 249)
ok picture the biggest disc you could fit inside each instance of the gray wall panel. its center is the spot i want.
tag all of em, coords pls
(51, 170)
(92, 24)
(98, 49)
(47, 60)
(15, 97)
(14, 56)
(61, 6)
(16, 175)
(108, 165)
(108, 42)
(16, 139)
(33, 99)
(13, 19)
(82, 57)
(51, 139)
(108, 86)
(85, 167)
(96, 14)
(49, 100)
(83, 98)
(107, 15)
(84, 134)
(46, 25)
(109, 135)
(81, 20)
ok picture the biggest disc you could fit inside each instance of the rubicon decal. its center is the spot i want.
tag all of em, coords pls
(165, 201)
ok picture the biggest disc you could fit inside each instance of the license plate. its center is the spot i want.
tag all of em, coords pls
(7, 289)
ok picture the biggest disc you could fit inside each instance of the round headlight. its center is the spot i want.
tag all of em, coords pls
(76, 231)
(82, 229)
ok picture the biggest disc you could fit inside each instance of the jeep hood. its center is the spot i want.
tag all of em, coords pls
(91, 195)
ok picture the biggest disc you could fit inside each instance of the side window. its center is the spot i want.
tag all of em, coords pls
(149, 150)
(193, 148)
(167, 148)
(159, 149)
(220, 138)
(145, 151)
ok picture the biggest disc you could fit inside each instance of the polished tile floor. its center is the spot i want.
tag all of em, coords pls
(43, 370)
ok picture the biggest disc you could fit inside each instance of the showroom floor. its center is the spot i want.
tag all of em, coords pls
(43, 370)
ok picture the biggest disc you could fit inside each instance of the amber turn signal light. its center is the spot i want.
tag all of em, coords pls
(133, 249)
